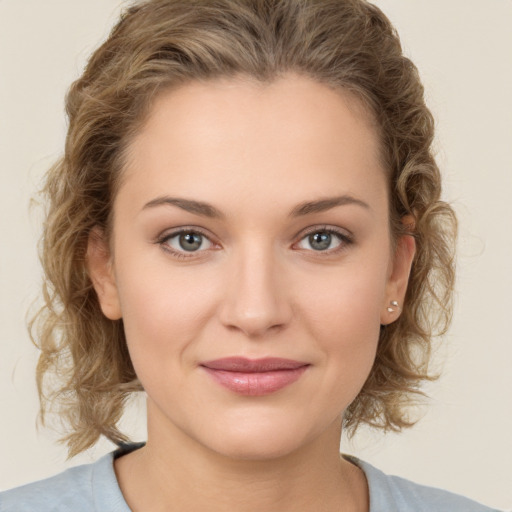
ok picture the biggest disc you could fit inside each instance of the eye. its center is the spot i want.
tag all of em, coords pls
(185, 241)
(324, 240)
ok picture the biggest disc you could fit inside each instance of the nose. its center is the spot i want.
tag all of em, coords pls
(255, 299)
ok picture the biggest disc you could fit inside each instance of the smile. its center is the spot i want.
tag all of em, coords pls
(254, 377)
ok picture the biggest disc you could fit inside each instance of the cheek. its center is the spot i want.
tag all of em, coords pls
(344, 320)
(347, 299)
(347, 331)
(164, 313)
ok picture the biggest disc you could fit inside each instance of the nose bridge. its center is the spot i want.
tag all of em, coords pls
(255, 299)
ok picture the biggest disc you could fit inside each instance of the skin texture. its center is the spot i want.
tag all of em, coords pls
(256, 287)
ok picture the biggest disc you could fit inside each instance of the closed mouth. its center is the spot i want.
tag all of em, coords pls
(255, 377)
(244, 365)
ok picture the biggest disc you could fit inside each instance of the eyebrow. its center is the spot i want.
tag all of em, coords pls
(197, 207)
(305, 208)
(322, 205)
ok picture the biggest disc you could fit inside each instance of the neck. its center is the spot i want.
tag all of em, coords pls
(173, 472)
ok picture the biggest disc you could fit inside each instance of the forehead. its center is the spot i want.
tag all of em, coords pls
(293, 134)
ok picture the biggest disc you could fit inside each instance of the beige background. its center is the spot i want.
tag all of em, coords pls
(464, 51)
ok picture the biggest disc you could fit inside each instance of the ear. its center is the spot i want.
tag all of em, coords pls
(398, 280)
(101, 272)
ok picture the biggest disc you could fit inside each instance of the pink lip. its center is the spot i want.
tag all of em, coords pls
(254, 377)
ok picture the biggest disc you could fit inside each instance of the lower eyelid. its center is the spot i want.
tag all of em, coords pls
(343, 238)
(201, 249)
(334, 235)
(341, 234)
(164, 239)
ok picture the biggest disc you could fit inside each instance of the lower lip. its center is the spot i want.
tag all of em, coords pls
(257, 383)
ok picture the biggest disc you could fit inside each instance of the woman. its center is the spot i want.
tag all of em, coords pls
(246, 225)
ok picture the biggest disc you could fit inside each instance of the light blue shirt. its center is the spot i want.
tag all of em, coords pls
(94, 488)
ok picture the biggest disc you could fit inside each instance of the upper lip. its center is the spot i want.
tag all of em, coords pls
(242, 364)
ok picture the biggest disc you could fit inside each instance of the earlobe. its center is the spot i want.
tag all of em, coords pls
(399, 279)
(101, 272)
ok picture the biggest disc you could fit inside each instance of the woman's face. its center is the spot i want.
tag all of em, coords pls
(252, 262)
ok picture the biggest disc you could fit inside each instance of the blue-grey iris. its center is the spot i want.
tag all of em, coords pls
(190, 241)
(320, 241)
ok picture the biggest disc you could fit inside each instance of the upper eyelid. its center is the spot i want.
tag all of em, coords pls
(344, 238)
(170, 233)
(163, 239)
(305, 232)
(342, 233)
(325, 228)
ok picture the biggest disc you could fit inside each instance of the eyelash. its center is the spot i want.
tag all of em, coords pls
(345, 241)
(162, 242)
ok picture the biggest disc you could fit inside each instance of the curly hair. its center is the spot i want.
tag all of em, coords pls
(84, 364)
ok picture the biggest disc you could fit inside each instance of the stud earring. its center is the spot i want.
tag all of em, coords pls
(393, 303)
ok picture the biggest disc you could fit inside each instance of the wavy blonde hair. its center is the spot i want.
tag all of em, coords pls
(84, 366)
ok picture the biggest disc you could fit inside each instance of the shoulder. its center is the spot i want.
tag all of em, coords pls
(389, 492)
(80, 489)
(71, 490)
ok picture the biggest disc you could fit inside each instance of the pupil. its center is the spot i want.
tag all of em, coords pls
(190, 241)
(320, 241)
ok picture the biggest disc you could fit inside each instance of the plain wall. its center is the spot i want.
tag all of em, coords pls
(463, 49)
